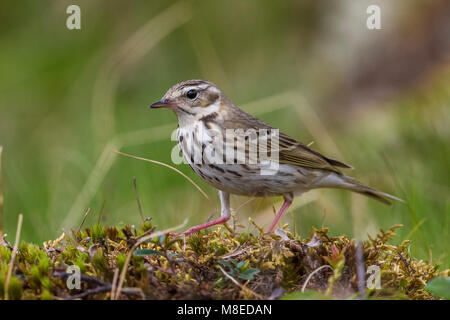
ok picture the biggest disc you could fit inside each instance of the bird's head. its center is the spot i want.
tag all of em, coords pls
(192, 98)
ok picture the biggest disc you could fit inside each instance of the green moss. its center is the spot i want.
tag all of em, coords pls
(5, 254)
(46, 284)
(120, 260)
(15, 289)
(201, 267)
(44, 263)
(34, 276)
(80, 262)
(196, 243)
(46, 295)
(2, 284)
(28, 252)
(243, 237)
(99, 261)
(98, 233)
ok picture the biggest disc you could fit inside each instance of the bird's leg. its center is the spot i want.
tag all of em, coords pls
(287, 203)
(224, 216)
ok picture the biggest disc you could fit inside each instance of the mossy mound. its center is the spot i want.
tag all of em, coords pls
(216, 264)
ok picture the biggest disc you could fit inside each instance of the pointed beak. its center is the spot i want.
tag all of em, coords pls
(163, 103)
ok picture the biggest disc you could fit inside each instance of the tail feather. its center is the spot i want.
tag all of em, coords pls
(349, 183)
(375, 195)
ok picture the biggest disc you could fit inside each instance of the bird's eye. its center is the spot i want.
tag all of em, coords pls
(191, 94)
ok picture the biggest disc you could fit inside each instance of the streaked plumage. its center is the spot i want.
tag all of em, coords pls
(202, 108)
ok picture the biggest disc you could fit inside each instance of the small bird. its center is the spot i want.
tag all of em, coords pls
(204, 113)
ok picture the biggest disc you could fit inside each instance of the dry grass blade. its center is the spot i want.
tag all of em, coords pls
(156, 29)
(13, 255)
(207, 57)
(84, 219)
(114, 283)
(104, 163)
(244, 204)
(127, 260)
(416, 227)
(167, 166)
(269, 103)
(315, 126)
(125, 56)
(241, 285)
(138, 200)
(312, 274)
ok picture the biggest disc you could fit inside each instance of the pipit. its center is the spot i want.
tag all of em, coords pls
(240, 154)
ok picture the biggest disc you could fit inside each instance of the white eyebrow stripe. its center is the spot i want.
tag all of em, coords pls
(196, 87)
(212, 88)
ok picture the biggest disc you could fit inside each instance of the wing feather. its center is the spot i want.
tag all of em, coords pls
(290, 150)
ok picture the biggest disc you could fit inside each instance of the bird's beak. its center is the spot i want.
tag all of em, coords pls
(163, 103)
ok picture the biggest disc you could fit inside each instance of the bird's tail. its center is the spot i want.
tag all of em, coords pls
(349, 183)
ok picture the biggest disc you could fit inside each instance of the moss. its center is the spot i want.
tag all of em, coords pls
(46, 295)
(120, 260)
(43, 263)
(201, 266)
(33, 276)
(196, 243)
(15, 289)
(5, 253)
(99, 262)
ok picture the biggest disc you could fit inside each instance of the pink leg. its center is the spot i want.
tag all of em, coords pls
(201, 226)
(225, 216)
(283, 209)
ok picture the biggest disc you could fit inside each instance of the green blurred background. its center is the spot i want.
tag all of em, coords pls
(377, 99)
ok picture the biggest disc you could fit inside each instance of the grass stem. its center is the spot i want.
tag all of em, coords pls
(13, 256)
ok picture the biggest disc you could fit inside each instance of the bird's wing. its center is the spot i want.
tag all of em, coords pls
(294, 152)
(290, 150)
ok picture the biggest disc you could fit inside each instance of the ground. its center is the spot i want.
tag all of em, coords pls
(130, 263)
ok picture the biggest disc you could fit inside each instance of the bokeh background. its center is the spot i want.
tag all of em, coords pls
(377, 99)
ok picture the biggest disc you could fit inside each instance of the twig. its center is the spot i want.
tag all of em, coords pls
(113, 287)
(137, 200)
(313, 273)
(87, 292)
(236, 252)
(106, 288)
(13, 255)
(84, 219)
(406, 263)
(296, 247)
(360, 270)
(240, 285)
(102, 286)
(149, 231)
(83, 277)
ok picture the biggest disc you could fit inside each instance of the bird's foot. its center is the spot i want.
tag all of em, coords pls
(200, 227)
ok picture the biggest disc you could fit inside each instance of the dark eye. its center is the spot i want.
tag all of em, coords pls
(191, 94)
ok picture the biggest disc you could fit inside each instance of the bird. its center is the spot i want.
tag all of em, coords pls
(207, 117)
